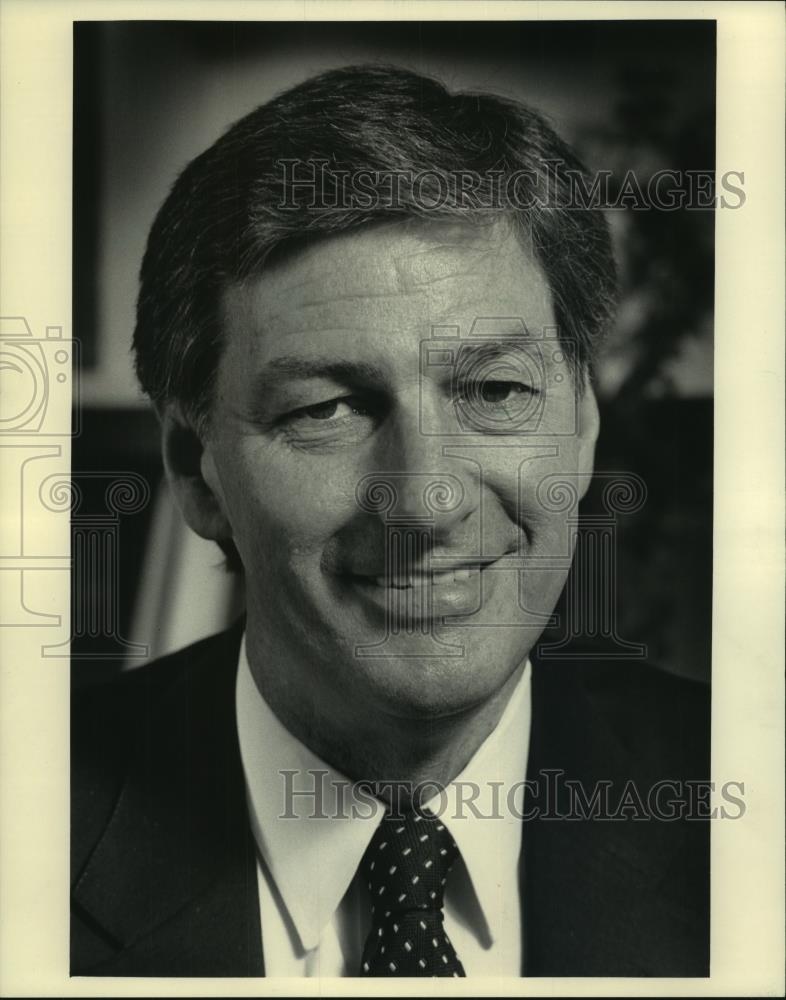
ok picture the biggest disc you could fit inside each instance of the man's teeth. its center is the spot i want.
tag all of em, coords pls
(431, 579)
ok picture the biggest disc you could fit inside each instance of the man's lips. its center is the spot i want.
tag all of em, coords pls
(440, 573)
(443, 587)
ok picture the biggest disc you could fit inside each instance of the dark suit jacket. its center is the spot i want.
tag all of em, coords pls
(163, 861)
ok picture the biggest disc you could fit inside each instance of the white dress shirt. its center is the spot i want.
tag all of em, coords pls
(315, 913)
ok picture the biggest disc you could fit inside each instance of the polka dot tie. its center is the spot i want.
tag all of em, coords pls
(406, 866)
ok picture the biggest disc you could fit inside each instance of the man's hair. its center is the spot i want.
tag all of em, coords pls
(243, 200)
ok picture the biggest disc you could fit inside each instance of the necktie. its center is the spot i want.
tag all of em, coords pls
(406, 866)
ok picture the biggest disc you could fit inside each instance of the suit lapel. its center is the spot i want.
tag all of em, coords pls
(597, 898)
(178, 849)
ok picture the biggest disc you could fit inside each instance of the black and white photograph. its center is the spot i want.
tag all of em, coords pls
(380, 454)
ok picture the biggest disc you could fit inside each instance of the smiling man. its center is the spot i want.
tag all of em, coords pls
(368, 319)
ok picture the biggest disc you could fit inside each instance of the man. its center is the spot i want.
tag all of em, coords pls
(368, 318)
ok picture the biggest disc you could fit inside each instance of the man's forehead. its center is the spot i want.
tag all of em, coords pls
(404, 256)
(444, 267)
(455, 253)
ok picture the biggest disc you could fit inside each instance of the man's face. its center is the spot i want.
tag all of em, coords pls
(386, 480)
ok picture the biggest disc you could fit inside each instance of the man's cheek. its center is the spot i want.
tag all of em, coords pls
(549, 477)
(293, 515)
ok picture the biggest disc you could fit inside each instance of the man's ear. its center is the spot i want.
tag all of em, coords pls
(192, 478)
(588, 428)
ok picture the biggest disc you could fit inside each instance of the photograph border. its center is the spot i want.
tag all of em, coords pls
(747, 936)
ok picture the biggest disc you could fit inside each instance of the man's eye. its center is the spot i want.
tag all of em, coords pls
(341, 420)
(502, 392)
(322, 411)
(492, 392)
(331, 409)
(497, 406)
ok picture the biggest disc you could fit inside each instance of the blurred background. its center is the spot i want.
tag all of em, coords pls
(635, 95)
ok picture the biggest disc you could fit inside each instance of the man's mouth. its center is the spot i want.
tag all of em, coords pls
(440, 588)
(440, 572)
(426, 578)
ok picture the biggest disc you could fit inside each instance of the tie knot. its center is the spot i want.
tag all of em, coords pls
(406, 864)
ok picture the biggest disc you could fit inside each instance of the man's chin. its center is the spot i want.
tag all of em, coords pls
(433, 688)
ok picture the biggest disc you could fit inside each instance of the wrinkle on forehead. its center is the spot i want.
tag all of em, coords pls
(448, 262)
(363, 275)
(455, 272)
(425, 252)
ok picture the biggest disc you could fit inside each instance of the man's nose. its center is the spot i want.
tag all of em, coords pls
(415, 480)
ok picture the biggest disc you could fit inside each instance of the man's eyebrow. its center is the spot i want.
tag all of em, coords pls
(487, 349)
(317, 367)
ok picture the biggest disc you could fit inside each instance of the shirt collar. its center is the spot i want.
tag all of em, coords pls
(483, 806)
(313, 842)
